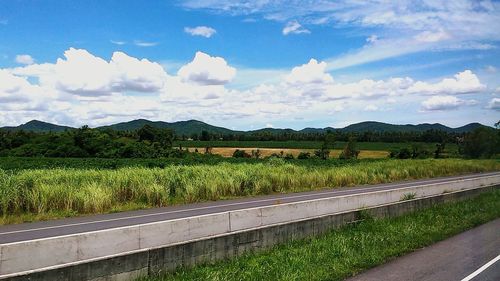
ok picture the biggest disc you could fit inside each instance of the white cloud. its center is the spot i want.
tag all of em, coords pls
(491, 69)
(432, 36)
(371, 107)
(408, 27)
(494, 104)
(24, 59)
(372, 39)
(145, 44)
(313, 72)
(445, 103)
(207, 70)
(464, 82)
(120, 43)
(294, 27)
(84, 74)
(203, 31)
(83, 88)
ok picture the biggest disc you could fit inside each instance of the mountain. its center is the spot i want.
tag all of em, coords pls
(38, 126)
(196, 127)
(180, 128)
(384, 127)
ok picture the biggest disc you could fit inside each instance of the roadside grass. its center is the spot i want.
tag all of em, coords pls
(30, 195)
(344, 252)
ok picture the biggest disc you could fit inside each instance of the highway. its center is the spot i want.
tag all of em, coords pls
(473, 255)
(55, 228)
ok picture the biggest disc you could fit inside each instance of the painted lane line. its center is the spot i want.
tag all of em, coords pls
(481, 269)
(289, 197)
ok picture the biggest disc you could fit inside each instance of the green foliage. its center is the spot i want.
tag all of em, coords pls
(342, 253)
(408, 196)
(304, 155)
(482, 143)
(350, 150)
(241, 154)
(81, 191)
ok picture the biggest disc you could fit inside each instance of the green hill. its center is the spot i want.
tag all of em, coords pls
(196, 127)
(38, 126)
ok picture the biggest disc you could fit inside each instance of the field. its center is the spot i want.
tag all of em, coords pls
(265, 152)
(385, 146)
(37, 194)
(344, 252)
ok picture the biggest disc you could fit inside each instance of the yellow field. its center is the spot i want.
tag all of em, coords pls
(228, 152)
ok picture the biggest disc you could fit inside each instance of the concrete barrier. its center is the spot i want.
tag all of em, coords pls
(21, 258)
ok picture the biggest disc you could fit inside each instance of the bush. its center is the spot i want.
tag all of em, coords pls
(241, 154)
(304, 155)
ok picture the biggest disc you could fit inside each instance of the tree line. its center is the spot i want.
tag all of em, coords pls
(152, 142)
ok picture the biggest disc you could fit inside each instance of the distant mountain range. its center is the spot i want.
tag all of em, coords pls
(196, 127)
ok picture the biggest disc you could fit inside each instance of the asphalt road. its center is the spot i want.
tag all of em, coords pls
(37, 230)
(472, 255)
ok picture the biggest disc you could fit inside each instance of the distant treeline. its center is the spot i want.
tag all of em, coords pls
(392, 137)
(152, 142)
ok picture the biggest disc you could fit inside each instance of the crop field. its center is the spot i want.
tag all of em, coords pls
(37, 194)
(265, 152)
(385, 146)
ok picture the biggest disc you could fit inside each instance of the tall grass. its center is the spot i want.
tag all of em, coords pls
(84, 191)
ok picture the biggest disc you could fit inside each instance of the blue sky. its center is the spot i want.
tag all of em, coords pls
(250, 64)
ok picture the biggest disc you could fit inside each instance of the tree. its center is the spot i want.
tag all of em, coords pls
(482, 143)
(328, 143)
(205, 136)
(350, 151)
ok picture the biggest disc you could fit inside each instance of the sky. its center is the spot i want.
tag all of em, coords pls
(246, 64)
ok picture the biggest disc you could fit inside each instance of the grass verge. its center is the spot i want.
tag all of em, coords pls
(29, 195)
(351, 249)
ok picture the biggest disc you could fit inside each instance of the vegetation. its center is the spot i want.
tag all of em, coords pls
(351, 249)
(42, 193)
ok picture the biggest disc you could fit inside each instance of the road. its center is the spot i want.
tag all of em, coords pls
(472, 255)
(53, 228)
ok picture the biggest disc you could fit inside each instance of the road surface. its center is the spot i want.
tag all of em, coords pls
(473, 255)
(53, 228)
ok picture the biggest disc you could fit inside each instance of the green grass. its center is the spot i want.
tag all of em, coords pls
(349, 250)
(386, 146)
(48, 193)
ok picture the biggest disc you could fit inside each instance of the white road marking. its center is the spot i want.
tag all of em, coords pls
(338, 192)
(481, 269)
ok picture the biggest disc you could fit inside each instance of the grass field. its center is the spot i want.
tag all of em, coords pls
(344, 252)
(27, 195)
(265, 152)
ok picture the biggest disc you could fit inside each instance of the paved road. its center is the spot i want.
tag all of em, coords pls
(472, 255)
(30, 231)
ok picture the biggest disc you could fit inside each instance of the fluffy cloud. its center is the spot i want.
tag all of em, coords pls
(294, 27)
(207, 70)
(313, 72)
(445, 103)
(84, 74)
(464, 82)
(24, 59)
(494, 104)
(83, 88)
(203, 31)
